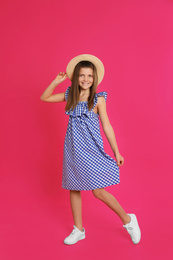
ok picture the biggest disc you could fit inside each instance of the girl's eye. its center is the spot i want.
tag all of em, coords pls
(82, 75)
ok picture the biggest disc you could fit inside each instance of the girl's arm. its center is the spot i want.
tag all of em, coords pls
(47, 94)
(108, 130)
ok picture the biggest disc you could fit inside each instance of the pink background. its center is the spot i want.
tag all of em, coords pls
(134, 39)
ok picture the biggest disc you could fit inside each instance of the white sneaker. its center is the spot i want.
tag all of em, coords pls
(75, 236)
(133, 229)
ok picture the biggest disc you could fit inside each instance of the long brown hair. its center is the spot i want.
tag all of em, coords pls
(74, 93)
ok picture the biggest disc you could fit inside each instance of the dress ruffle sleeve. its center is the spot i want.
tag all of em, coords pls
(100, 94)
(67, 93)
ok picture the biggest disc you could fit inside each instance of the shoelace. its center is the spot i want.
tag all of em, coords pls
(74, 231)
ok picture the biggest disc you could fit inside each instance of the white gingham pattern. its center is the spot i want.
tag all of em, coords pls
(86, 166)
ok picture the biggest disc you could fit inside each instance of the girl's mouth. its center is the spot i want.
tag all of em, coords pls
(85, 83)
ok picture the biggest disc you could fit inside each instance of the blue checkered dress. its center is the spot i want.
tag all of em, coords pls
(85, 164)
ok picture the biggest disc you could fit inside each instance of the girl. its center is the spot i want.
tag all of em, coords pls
(85, 164)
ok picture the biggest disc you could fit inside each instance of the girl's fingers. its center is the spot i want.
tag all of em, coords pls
(65, 75)
(120, 163)
(62, 73)
(61, 76)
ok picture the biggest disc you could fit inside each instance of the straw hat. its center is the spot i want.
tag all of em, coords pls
(88, 57)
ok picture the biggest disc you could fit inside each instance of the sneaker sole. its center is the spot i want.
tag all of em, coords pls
(139, 238)
(74, 242)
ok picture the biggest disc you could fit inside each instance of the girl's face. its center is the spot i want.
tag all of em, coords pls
(85, 78)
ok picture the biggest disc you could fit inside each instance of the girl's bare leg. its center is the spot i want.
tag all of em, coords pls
(112, 203)
(76, 206)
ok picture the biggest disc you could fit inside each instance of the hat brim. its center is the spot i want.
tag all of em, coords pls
(98, 64)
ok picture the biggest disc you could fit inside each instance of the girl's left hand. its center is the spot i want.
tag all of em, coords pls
(119, 159)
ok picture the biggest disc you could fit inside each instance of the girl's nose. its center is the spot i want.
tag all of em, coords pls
(85, 78)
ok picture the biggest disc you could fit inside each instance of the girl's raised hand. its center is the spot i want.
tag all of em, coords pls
(61, 77)
(119, 159)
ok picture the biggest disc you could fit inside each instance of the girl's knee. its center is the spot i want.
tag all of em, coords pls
(98, 193)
